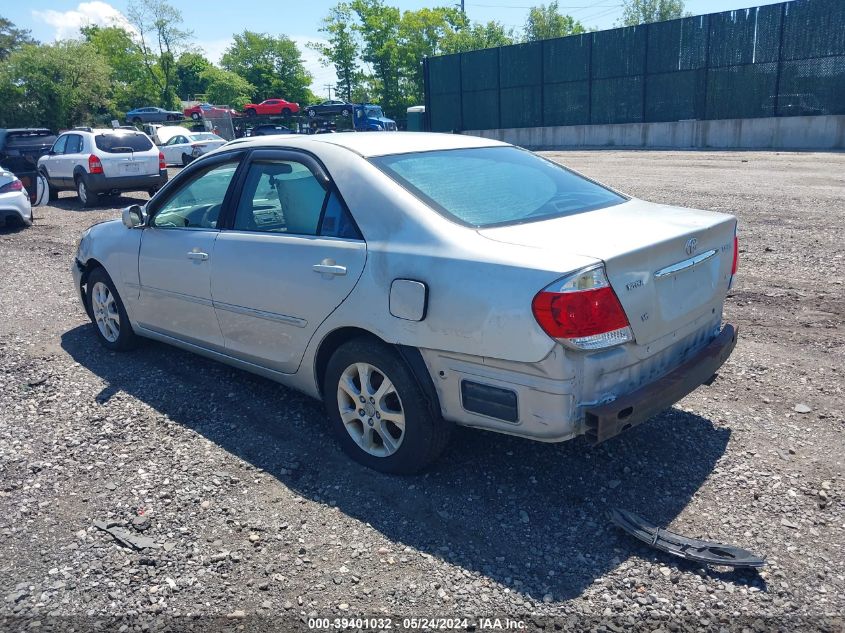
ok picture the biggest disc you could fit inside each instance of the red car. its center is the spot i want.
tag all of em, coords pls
(271, 106)
(206, 109)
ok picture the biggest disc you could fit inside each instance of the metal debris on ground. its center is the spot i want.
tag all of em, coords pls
(125, 537)
(706, 552)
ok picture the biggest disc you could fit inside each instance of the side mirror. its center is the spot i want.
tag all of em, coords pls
(134, 216)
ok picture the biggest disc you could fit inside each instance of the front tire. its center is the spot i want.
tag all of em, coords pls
(344, 112)
(137, 120)
(378, 412)
(251, 112)
(195, 116)
(311, 113)
(108, 314)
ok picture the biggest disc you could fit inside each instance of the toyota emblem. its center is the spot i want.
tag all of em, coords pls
(691, 246)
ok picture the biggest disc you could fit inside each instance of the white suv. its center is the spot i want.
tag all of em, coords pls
(96, 161)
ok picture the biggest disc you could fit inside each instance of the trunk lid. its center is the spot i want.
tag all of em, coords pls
(668, 265)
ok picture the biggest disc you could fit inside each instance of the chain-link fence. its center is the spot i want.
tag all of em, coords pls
(777, 60)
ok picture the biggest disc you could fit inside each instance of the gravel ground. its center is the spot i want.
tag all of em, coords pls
(254, 516)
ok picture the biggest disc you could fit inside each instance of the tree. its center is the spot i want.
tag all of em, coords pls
(224, 87)
(131, 85)
(190, 75)
(545, 22)
(161, 38)
(477, 36)
(57, 86)
(273, 65)
(421, 33)
(12, 38)
(342, 49)
(378, 25)
(645, 11)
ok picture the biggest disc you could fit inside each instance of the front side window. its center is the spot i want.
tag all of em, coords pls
(60, 144)
(197, 204)
(491, 186)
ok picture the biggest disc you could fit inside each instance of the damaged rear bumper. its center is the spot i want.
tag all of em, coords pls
(607, 420)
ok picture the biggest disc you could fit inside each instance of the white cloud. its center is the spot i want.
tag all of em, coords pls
(214, 49)
(68, 23)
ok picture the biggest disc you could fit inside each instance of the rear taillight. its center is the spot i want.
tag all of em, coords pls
(9, 187)
(161, 162)
(582, 310)
(94, 165)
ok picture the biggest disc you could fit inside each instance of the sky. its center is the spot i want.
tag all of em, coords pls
(213, 22)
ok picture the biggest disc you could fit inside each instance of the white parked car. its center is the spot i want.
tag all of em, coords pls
(414, 281)
(15, 207)
(102, 161)
(183, 148)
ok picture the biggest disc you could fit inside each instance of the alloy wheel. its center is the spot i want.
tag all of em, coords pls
(105, 311)
(371, 409)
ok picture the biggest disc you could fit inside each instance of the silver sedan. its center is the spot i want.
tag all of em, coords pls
(416, 281)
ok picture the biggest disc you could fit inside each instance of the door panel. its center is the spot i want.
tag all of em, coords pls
(176, 258)
(277, 273)
(175, 296)
(268, 297)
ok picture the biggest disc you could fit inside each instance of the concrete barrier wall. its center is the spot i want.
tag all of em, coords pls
(821, 132)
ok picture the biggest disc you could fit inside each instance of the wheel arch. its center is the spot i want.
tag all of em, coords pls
(90, 265)
(410, 355)
(79, 172)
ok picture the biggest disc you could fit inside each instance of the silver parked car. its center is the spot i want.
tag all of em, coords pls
(414, 281)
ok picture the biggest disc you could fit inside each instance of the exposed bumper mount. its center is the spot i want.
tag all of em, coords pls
(607, 420)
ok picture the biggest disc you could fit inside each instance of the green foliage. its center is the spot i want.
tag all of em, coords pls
(645, 11)
(420, 35)
(190, 68)
(131, 85)
(342, 50)
(545, 22)
(378, 27)
(224, 87)
(476, 36)
(12, 38)
(273, 65)
(57, 86)
(161, 39)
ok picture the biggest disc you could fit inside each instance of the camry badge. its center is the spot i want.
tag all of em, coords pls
(691, 246)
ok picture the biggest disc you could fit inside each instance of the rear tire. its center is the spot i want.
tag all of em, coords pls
(153, 191)
(311, 113)
(137, 121)
(108, 314)
(395, 429)
(186, 160)
(86, 198)
(285, 111)
(344, 112)
(251, 112)
(53, 193)
(195, 116)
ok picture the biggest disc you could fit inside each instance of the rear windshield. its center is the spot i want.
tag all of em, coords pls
(22, 139)
(493, 186)
(121, 143)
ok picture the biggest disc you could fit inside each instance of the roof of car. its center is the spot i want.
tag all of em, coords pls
(378, 143)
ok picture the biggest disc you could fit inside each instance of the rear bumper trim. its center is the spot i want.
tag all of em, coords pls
(608, 420)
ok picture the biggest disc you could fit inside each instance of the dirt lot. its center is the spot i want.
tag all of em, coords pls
(255, 513)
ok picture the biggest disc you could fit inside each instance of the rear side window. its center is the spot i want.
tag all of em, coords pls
(123, 143)
(74, 144)
(492, 186)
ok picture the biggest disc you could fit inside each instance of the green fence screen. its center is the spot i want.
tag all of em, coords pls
(782, 59)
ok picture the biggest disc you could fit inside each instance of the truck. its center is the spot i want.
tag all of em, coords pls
(368, 117)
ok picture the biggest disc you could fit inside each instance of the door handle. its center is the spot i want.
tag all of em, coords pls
(197, 255)
(329, 267)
